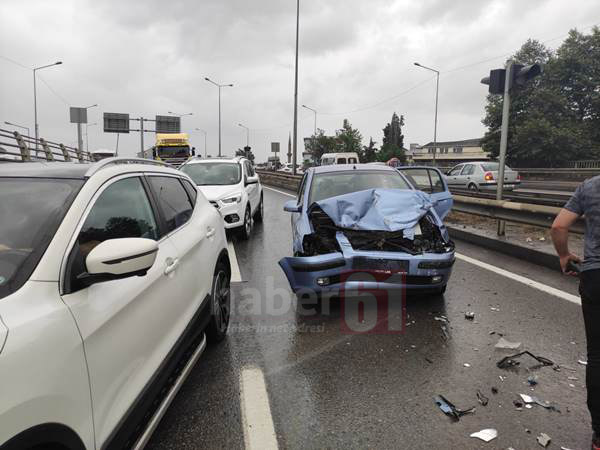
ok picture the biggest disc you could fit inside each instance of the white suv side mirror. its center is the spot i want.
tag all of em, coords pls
(119, 258)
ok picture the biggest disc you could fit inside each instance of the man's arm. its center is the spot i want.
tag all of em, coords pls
(560, 237)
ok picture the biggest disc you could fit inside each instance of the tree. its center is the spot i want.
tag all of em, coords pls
(393, 141)
(349, 139)
(369, 152)
(319, 143)
(555, 118)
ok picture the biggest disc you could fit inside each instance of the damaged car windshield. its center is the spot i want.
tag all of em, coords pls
(332, 184)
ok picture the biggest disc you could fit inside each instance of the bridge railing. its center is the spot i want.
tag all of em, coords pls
(18, 147)
(511, 211)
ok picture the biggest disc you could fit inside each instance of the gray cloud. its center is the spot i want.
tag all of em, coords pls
(151, 57)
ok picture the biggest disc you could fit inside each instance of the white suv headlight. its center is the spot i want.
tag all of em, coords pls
(232, 199)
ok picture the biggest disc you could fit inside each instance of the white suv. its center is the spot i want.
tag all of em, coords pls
(233, 187)
(103, 307)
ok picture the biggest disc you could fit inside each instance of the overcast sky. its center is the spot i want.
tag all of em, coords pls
(356, 62)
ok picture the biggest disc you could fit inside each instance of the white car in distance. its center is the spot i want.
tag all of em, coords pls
(233, 187)
(113, 276)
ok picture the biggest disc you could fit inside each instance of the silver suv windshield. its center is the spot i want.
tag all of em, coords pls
(214, 173)
(30, 211)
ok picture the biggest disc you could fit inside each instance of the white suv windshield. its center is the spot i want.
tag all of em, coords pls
(30, 211)
(214, 173)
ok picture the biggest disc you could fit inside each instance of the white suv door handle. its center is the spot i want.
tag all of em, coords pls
(210, 231)
(171, 265)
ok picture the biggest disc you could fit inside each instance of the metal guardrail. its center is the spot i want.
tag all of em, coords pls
(511, 211)
(535, 198)
(17, 147)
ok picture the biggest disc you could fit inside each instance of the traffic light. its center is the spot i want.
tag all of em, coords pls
(495, 81)
(520, 75)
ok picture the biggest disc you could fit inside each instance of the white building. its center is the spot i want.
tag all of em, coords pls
(449, 153)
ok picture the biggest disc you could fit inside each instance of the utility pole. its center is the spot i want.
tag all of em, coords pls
(437, 89)
(502, 81)
(504, 139)
(247, 134)
(295, 143)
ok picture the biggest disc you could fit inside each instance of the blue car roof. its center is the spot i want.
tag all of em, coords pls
(347, 167)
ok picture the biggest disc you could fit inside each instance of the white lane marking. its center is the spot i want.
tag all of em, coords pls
(513, 276)
(521, 279)
(236, 275)
(259, 431)
(280, 192)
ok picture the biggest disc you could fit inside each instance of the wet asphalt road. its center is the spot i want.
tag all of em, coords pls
(328, 389)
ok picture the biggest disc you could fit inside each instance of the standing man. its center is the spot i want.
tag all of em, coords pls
(585, 202)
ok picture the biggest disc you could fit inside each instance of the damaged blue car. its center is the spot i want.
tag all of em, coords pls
(367, 218)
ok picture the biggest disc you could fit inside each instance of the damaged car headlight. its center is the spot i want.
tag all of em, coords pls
(232, 199)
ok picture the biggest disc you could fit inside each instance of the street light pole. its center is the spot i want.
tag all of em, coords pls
(315, 111)
(219, 86)
(247, 134)
(295, 143)
(200, 129)
(37, 128)
(87, 141)
(18, 126)
(437, 88)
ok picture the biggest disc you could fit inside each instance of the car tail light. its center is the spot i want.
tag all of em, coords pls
(518, 177)
(489, 176)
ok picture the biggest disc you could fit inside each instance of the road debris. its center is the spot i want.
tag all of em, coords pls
(482, 399)
(467, 365)
(470, 315)
(450, 410)
(487, 435)
(532, 380)
(493, 308)
(544, 440)
(506, 344)
(518, 404)
(445, 333)
(530, 399)
(582, 362)
(509, 362)
(441, 319)
(494, 390)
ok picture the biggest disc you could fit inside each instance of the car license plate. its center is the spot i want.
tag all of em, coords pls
(379, 264)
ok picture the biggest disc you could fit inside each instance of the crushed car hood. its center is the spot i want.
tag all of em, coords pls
(377, 209)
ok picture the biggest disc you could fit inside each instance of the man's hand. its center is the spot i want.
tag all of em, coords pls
(564, 260)
(560, 238)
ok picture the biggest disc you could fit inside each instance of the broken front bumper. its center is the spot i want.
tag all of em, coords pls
(352, 269)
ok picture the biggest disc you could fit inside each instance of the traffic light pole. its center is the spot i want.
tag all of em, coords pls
(504, 140)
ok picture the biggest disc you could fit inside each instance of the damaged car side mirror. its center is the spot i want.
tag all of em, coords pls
(292, 206)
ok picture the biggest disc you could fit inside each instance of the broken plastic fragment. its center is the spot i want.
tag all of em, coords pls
(544, 440)
(505, 344)
(582, 362)
(532, 380)
(470, 315)
(511, 362)
(449, 409)
(529, 399)
(487, 435)
(441, 319)
(482, 399)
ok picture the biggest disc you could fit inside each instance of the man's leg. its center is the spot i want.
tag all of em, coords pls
(590, 300)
